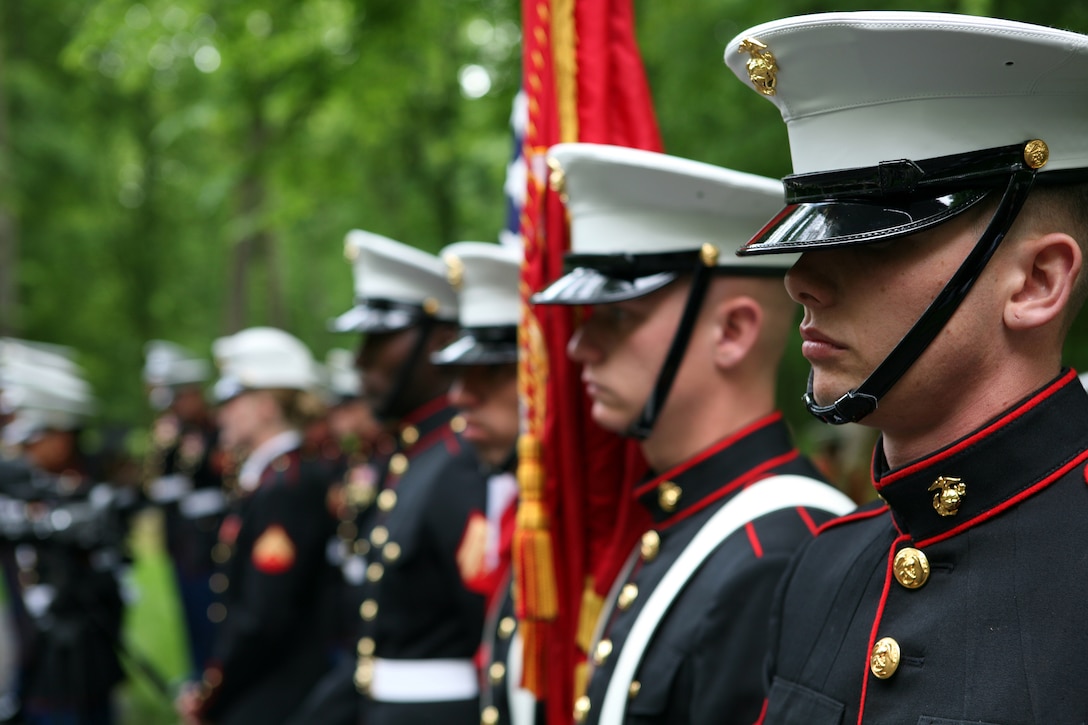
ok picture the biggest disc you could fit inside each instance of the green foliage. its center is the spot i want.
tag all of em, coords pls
(184, 168)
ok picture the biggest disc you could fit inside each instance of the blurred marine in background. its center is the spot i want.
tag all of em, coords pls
(62, 542)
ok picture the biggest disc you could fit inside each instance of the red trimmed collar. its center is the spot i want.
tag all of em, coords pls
(721, 470)
(1016, 455)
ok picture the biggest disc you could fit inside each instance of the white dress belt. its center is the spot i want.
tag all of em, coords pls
(203, 502)
(168, 489)
(423, 680)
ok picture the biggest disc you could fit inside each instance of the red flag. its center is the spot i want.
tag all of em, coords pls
(584, 81)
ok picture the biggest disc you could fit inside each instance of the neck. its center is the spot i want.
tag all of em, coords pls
(928, 428)
(683, 431)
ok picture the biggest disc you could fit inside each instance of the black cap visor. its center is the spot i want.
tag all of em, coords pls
(879, 203)
(377, 316)
(480, 346)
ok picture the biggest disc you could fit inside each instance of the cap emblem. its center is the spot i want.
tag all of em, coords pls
(708, 254)
(1036, 154)
(762, 66)
(557, 180)
(455, 271)
(351, 251)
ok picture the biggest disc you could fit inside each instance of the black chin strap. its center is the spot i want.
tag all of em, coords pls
(700, 281)
(860, 402)
(389, 408)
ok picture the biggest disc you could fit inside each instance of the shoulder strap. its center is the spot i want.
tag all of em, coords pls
(761, 498)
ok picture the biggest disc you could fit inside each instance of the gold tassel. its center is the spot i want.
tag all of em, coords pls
(534, 563)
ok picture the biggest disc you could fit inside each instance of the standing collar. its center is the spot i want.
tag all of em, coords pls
(720, 470)
(1014, 456)
(425, 425)
(249, 476)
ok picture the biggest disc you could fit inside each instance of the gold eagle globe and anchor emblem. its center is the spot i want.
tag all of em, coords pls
(949, 496)
(761, 65)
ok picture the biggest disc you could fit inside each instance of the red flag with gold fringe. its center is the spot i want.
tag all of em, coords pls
(584, 81)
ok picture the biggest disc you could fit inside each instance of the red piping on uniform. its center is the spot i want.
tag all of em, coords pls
(803, 513)
(990, 513)
(751, 476)
(425, 442)
(762, 713)
(425, 411)
(972, 439)
(453, 443)
(754, 540)
(876, 622)
(856, 516)
(700, 457)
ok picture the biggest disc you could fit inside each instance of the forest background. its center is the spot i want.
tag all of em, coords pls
(182, 169)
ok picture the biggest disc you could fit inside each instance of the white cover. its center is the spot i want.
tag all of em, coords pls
(488, 292)
(262, 358)
(385, 269)
(859, 88)
(624, 200)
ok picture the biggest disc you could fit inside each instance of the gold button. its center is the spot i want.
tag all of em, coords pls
(368, 610)
(496, 672)
(374, 571)
(668, 496)
(627, 597)
(409, 435)
(365, 648)
(489, 716)
(379, 535)
(213, 678)
(218, 583)
(391, 551)
(364, 674)
(633, 690)
(387, 499)
(884, 660)
(651, 543)
(601, 652)
(398, 464)
(911, 567)
(458, 424)
(346, 531)
(507, 626)
(362, 547)
(217, 613)
(221, 553)
(581, 708)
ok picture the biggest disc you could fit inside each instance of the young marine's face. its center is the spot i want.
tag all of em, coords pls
(622, 347)
(859, 302)
(487, 396)
(243, 419)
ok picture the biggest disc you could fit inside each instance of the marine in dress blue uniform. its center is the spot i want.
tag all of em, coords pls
(184, 476)
(412, 543)
(938, 202)
(274, 641)
(484, 389)
(681, 351)
(64, 539)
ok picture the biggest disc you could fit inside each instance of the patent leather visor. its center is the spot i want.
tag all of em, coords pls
(879, 203)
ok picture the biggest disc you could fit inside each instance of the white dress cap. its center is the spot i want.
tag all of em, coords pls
(262, 358)
(624, 200)
(342, 374)
(167, 363)
(485, 277)
(856, 89)
(43, 390)
(394, 283)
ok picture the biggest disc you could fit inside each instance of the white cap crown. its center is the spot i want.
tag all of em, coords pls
(486, 278)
